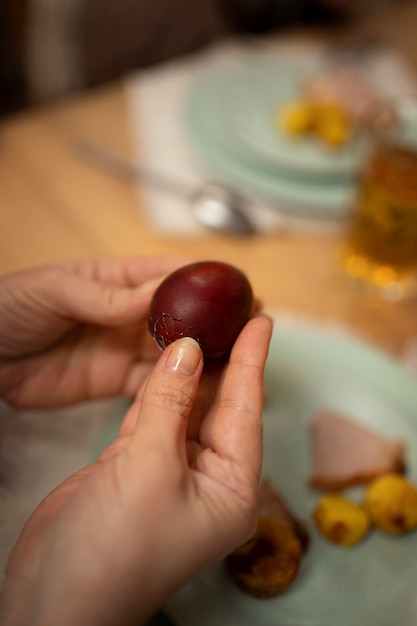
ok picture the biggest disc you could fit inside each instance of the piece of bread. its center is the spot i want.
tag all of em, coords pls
(268, 563)
(345, 453)
(272, 504)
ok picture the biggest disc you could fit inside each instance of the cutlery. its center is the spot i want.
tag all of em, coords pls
(215, 205)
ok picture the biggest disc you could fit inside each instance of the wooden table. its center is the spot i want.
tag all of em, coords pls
(55, 207)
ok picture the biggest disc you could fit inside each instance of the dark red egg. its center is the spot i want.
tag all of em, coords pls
(209, 301)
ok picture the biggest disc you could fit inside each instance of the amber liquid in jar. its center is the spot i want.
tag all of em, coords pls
(381, 248)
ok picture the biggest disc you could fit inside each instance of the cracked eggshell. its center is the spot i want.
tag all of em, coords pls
(209, 301)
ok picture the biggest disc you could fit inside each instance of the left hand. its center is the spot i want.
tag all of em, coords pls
(77, 331)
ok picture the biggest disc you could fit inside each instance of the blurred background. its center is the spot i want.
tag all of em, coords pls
(50, 48)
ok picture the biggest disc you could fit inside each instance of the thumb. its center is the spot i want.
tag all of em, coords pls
(169, 396)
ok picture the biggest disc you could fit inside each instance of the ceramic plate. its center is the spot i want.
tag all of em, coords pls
(226, 118)
(371, 583)
(242, 102)
(304, 198)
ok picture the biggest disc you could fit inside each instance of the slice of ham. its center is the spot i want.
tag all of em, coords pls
(351, 91)
(345, 453)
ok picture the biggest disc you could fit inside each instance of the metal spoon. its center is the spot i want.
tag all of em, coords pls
(214, 205)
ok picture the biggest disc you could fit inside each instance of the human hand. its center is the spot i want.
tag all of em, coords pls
(167, 498)
(77, 331)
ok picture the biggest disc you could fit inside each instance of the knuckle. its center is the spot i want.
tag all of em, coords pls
(110, 299)
(115, 303)
(171, 399)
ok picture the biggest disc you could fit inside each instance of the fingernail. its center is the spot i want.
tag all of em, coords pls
(185, 356)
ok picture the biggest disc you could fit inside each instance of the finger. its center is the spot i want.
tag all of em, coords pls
(234, 429)
(168, 398)
(90, 301)
(107, 292)
(127, 272)
(206, 396)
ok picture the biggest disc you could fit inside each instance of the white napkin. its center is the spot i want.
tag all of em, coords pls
(156, 99)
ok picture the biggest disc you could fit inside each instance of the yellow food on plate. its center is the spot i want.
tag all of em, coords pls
(391, 501)
(297, 117)
(326, 121)
(341, 521)
(333, 125)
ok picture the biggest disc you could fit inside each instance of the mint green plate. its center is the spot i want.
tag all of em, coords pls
(373, 583)
(229, 119)
(242, 101)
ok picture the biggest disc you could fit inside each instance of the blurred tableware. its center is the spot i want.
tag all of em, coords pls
(231, 119)
(241, 101)
(381, 248)
(215, 205)
(296, 197)
(194, 112)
